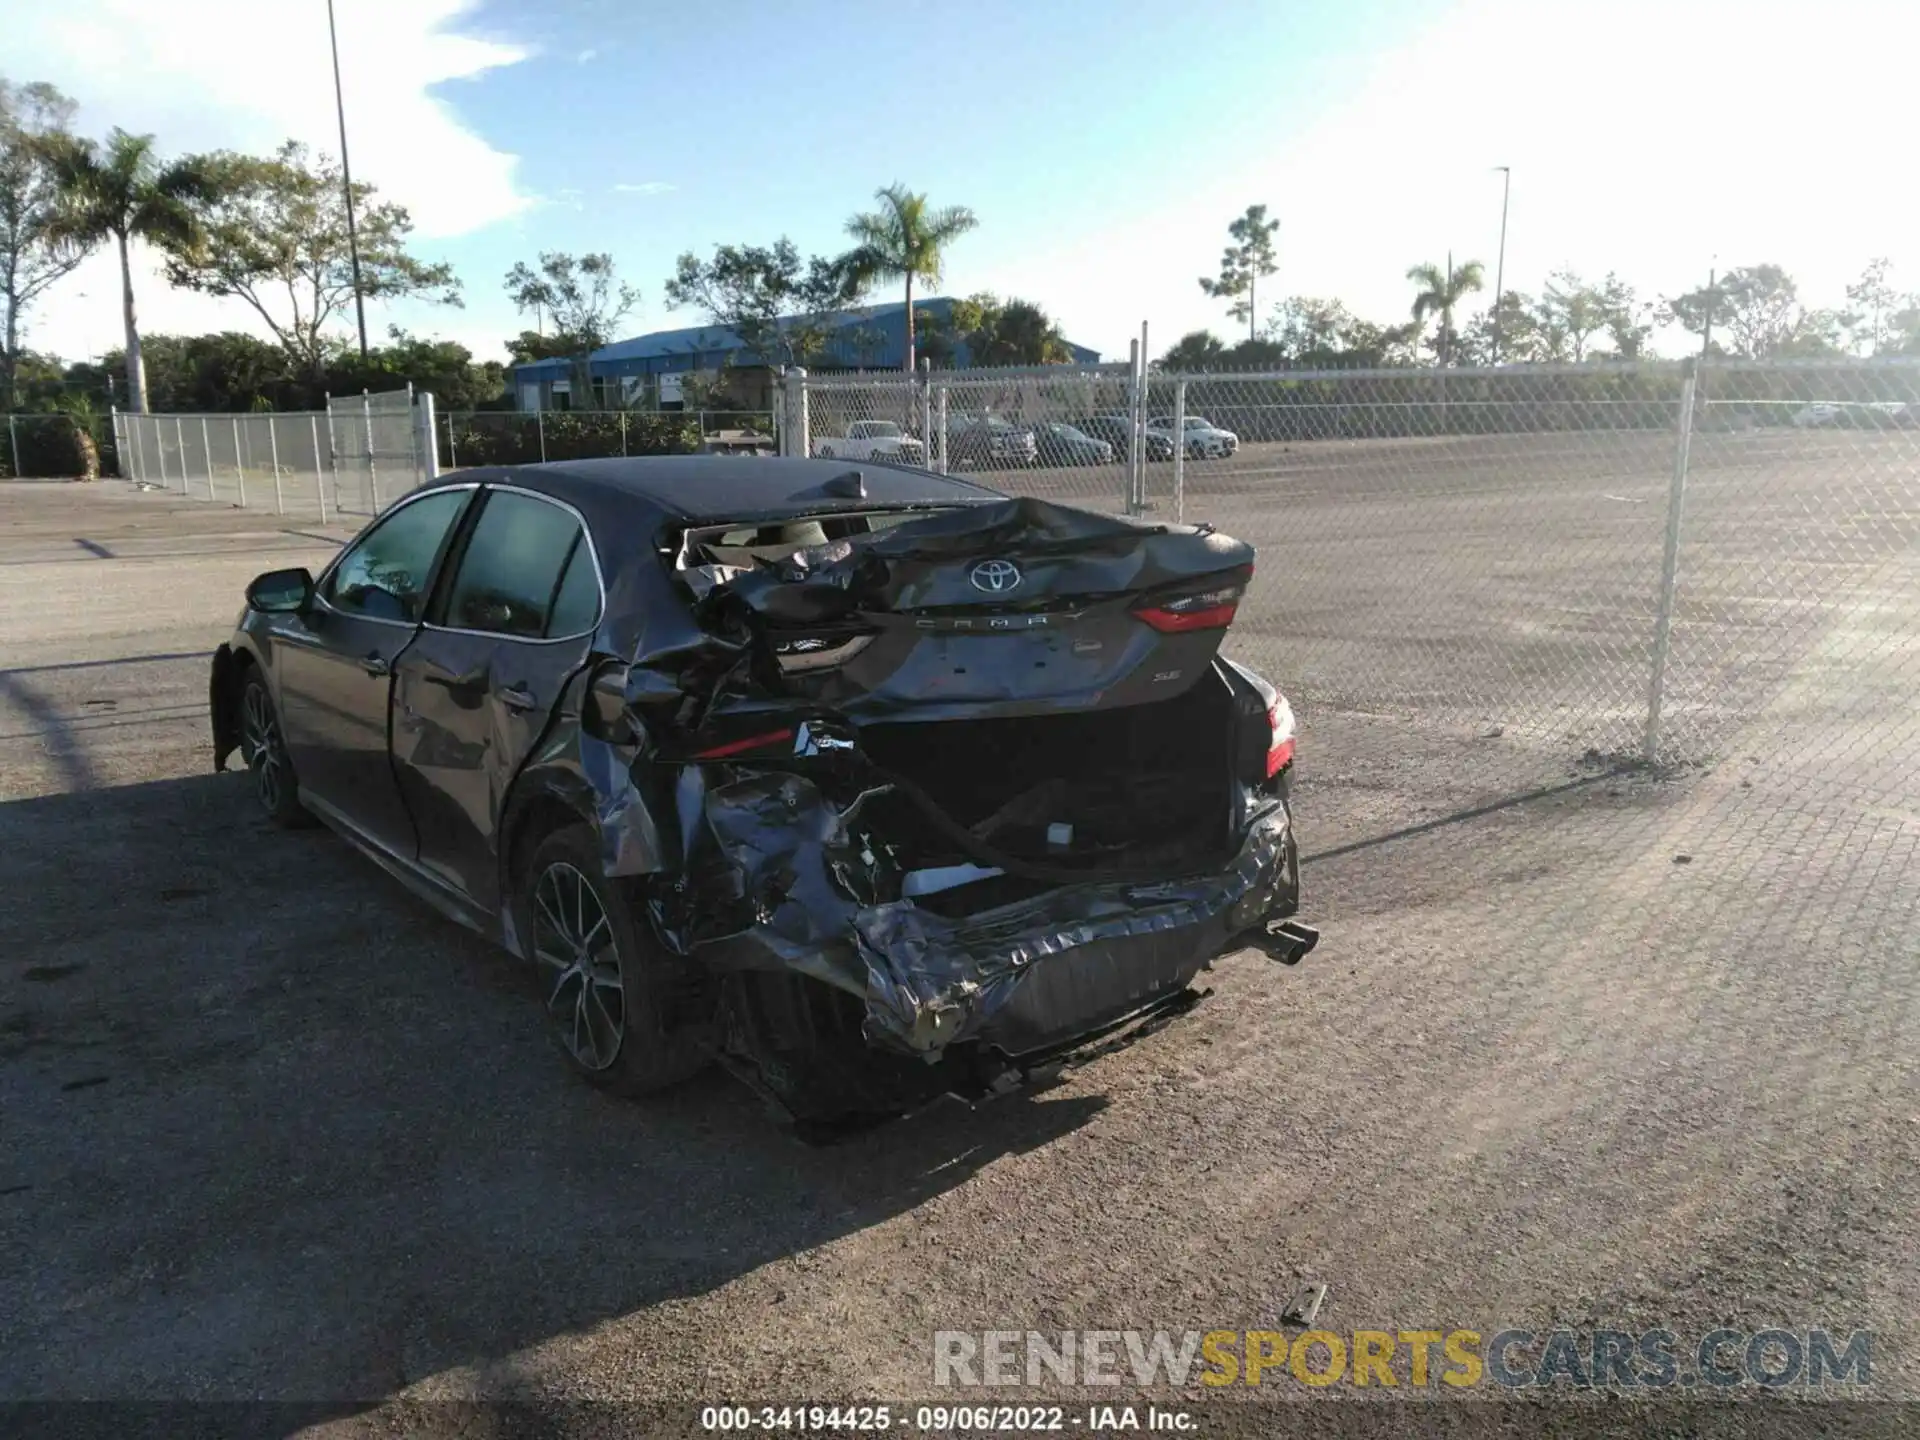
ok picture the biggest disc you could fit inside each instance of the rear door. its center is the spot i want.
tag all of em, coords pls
(477, 688)
(335, 661)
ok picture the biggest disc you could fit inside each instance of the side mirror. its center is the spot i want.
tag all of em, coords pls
(280, 592)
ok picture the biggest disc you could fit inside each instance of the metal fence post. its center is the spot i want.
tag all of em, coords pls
(333, 462)
(319, 481)
(426, 439)
(798, 440)
(1179, 452)
(940, 423)
(206, 454)
(1136, 442)
(540, 424)
(13, 434)
(373, 471)
(128, 458)
(926, 414)
(243, 444)
(623, 432)
(1669, 569)
(239, 470)
(453, 450)
(273, 451)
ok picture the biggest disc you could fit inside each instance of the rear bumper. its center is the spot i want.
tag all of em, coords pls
(1022, 978)
(1074, 962)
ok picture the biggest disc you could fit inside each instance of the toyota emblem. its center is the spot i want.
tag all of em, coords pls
(996, 577)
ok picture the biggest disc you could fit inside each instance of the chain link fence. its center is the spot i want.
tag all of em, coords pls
(1610, 561)
(342, 463)
(509, 437)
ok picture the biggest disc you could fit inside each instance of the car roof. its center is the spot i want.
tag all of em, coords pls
(729, 487)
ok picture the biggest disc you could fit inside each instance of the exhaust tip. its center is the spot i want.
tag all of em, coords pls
(1287, 941)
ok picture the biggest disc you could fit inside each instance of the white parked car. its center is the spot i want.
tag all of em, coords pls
(1821, 412)
(872, 440)
(1203, 439)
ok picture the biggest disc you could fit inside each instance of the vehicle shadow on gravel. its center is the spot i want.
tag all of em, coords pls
(275, 1129)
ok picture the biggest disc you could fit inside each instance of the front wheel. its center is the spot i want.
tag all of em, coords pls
(263, 745)
(609, 993)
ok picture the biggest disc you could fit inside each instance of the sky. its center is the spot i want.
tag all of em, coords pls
(1104, 148)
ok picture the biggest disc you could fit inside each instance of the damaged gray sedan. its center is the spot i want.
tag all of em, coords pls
(872, 784)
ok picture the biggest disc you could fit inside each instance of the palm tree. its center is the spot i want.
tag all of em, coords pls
(904, 240)
(1440, 291)
(123, 193)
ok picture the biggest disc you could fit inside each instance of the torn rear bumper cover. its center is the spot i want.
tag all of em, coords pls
(1020, 978)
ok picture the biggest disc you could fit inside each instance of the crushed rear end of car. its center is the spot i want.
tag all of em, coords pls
(934, 799)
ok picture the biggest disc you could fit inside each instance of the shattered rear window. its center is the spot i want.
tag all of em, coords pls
(745, 543)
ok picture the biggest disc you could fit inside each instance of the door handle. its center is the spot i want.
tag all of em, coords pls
(375, 664)
(517, 697)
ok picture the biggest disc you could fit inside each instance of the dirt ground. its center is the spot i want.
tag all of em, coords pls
(1579, 1047)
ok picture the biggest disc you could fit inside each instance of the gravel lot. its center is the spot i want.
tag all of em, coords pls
(1578, 1047)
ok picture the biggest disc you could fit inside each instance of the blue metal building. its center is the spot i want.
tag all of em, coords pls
(872, 338)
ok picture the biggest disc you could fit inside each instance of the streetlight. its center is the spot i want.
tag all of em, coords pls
(1500, 265)
(346, 184)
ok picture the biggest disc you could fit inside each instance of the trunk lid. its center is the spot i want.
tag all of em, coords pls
(1008, 608)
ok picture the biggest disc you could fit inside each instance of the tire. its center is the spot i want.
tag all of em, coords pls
(611, 1003)
(263, 745)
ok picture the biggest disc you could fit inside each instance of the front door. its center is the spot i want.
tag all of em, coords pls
(335, 665)
(476, 689)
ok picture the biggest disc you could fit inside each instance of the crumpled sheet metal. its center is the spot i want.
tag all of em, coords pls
(1063, 551)
(934, 980)
(927, 980)
(629, 839)
(784, 839)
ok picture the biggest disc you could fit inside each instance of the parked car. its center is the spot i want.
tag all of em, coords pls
(1204, 440)
(872, 440)
(1113, 429)
(875, 784)
(1820, 414)
(1062, 444)
(985, 441)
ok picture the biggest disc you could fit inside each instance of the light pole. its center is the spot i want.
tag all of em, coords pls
(346, 184)
(1500, 264)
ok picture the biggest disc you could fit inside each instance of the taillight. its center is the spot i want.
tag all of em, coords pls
(741, 747)
(1209, 610)
(1280, 729)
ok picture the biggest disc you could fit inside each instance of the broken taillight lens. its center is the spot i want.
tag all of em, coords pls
(741, 747)
(1208, 610)
(1280, 746)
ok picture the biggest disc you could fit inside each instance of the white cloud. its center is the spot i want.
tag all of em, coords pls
(645, 187)
(1645, 136)
(584, 56)
(212, 74)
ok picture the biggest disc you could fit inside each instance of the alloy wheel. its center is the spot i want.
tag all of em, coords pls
(574, 945)
(266, 755)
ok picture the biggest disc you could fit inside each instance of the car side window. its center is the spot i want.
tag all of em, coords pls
(385, 575)
(510, 575)
(576, 607)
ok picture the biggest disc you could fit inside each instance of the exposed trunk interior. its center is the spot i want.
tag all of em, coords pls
(1094, 791)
